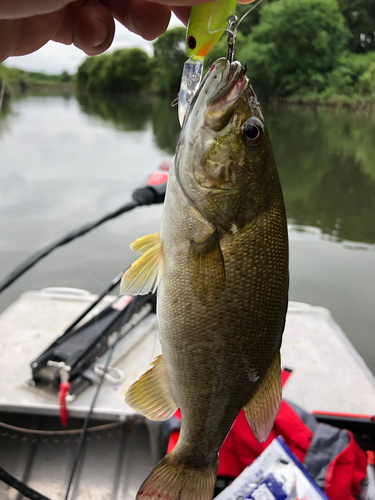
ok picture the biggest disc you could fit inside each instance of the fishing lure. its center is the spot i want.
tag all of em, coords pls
(207, 23)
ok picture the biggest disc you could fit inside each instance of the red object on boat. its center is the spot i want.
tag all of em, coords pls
(339, 461)
(164, 165)
(157, 178)
(64, 415)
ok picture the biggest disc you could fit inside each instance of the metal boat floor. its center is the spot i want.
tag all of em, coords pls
(33, 322)
(328, 375)
(113, 464)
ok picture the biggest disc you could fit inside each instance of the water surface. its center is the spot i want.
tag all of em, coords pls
(65, 161)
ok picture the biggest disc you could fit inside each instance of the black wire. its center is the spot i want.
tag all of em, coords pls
(69, 330)
(88, 416)
(19, 486)
(29, 492)
(142, 196)
(36, 257)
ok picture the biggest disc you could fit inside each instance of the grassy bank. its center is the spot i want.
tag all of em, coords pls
(19, 80)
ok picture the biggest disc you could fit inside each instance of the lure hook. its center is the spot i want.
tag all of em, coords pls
(232, 34)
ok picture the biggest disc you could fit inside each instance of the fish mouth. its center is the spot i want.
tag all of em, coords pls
(221, 105)
(232, 88)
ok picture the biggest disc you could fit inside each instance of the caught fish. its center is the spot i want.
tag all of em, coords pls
(220, 264)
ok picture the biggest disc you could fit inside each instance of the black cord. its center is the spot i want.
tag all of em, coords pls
(88, 416)
(29, 492)
(36, 257)
(146, 195)
(142, 196)
(19, 486)
(69, 330)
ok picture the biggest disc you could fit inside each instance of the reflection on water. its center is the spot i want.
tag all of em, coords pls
(165, 125)
(127, 113)
(65, 162)
(133, 113)
(325, 157)
(6, 110)
(326, 160)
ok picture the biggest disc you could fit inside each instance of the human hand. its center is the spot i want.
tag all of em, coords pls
(27, 25)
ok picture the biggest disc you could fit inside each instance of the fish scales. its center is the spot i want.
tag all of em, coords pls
(226, 352)
(222, 278)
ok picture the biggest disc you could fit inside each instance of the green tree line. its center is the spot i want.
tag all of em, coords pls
(15, 75)
(132, 70)
(312, 49)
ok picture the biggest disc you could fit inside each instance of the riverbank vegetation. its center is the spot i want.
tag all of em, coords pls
(305, 49)
(21, 80)
(132, 70)
(298, 50)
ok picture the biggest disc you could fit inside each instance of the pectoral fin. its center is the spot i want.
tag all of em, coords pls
(264, 405)
(144, 274)
(208, 269)
(150, 395)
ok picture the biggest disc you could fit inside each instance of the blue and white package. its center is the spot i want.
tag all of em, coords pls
(276, 474)
(268, 489)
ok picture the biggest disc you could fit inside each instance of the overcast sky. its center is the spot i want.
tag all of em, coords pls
(55, 57)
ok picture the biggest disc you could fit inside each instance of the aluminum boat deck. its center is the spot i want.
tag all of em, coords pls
(328, 375)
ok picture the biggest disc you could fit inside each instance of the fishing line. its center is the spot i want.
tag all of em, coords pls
(36, 257)
(239, 22)
(22, 487)
(77, 456)
(145, 195)
(248, 12)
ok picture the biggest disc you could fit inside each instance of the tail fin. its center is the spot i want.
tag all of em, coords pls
(173, 480)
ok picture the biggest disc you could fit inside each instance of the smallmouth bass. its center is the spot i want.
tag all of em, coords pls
(220, 264)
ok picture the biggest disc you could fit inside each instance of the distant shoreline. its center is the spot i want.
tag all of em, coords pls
(354, 104)
(20, 87)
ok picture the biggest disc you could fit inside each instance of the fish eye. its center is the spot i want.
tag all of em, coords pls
(253, 131)
(191, 42)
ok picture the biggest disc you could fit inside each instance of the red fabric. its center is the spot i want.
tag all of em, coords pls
(370, 457)
(173, 440)
(174, 434)
(64, 391)
(241, 447)
(345, 472)
(285, 374)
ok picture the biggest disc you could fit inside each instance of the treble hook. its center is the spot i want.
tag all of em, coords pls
(232, 34)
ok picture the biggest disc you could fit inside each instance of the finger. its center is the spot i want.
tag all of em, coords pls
(144, 18)
(24, 8)
(9, 38)
(89, 25)
(93, 28)
(182, 13)
(23, 36)
(180, 3)
(246, 1)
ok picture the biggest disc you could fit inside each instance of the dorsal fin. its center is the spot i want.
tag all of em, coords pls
(144, 274)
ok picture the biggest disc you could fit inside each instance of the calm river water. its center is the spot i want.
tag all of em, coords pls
(65, 161)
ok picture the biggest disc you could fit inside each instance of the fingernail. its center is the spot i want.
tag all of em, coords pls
(101, 33)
